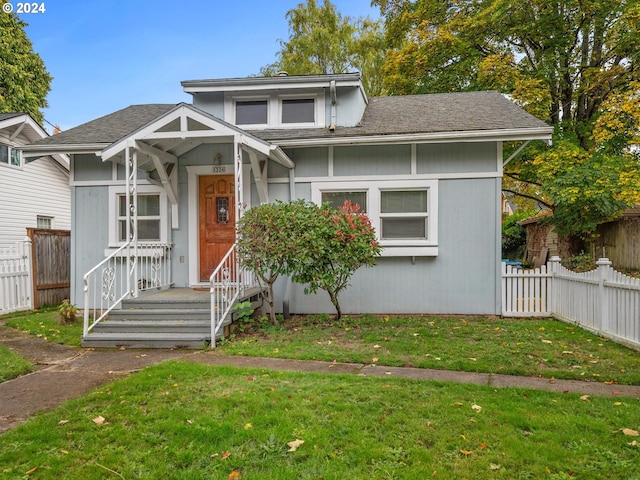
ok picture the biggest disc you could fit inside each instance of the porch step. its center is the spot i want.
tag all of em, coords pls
(146, 340)
(175, 318)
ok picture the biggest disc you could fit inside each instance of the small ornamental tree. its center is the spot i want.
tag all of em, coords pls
(333, 246)
(267, 239)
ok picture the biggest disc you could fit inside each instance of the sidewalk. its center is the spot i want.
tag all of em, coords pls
(63, 373)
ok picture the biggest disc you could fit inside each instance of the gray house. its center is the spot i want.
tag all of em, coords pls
(157, 189)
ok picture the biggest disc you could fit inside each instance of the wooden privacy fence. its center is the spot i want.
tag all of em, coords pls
(603, 300)
(51, 250)
(15, 277)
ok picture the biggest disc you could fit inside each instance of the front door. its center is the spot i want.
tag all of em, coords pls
(217, 223)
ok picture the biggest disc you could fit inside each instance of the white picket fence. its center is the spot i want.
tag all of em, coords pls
(603, 300)
(16, 282)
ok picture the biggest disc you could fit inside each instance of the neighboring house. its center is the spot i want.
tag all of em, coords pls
(427, 169)
(618, 240)
(34, 191)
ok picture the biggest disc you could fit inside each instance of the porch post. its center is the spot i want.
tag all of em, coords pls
(131, 184)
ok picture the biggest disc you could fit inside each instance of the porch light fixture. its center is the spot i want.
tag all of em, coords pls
(217, 158)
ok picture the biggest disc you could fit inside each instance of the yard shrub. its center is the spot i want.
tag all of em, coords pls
(339, 242)
(267, 238)
(318, 246)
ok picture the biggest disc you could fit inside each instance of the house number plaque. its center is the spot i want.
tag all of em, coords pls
(219, 169)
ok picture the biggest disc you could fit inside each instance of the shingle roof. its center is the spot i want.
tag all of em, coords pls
(110, 128)
(447, 112)
(7, 116)
(434, 113)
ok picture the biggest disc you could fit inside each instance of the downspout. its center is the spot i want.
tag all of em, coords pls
(289, 287)
(332, 88)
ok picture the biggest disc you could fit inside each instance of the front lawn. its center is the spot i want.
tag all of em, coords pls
(45, 323)
(179, 420)
(12, 365)
(531, 347)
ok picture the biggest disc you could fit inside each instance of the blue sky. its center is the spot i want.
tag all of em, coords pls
(106, 55)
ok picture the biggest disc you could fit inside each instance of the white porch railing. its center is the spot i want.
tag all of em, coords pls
(227, 283)
(108, 283)
(603, 300)
(16, 279)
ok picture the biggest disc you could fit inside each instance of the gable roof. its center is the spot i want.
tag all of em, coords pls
(432, 116)
(486, 115)
(109, 128)
(20, 129)
(108, 135)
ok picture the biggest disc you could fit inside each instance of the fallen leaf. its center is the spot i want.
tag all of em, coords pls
(617, 404)
(477, 408)
(247, 426)
(63, 422)
(374, 359)
(190, 422)
(546, 341)
(633, 444)
(466, 453)
(226, 455)
(29, 472)
(99, 420)
(234, 474)
(293, 446)
(377, 346)
(584, 398)
(250, 378)
(631, 433)
(494, 467)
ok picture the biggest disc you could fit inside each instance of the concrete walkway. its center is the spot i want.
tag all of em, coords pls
(63, 373)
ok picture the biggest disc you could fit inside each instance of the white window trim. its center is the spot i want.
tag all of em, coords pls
(45, 217)
(396, 247)
(117, 190)
(319, 114)
(262, 98)
(12, 148)
(274, 110)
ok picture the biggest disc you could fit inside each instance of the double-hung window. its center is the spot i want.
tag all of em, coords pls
(404, 213)
(9, 155)
(151, 213)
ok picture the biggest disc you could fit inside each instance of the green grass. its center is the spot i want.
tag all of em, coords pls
(531, 347)
(12, 365)
(191, 421)
(45, 323)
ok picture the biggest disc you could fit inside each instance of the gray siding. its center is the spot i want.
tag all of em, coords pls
(210, 102)
(310, 162)
(372, 160)
(89, 167)
(462, 279)
(456, 157)
(89, 234)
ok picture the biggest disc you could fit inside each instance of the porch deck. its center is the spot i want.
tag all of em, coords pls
(171, 318)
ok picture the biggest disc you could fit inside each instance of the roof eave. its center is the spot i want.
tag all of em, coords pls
(62, 149)
(540, 133)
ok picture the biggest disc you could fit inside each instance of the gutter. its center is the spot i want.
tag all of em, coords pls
(541, 133)
(334, 102)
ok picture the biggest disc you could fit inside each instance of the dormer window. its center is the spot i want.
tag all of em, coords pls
(298, 110)
(281, 110)
(251, 112)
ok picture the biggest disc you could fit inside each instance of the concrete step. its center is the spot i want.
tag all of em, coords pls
(159, 314)
(153, 326)
(147, 340)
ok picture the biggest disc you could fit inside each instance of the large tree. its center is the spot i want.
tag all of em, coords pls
(24, 80)
(572, 63)
(322, 41)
